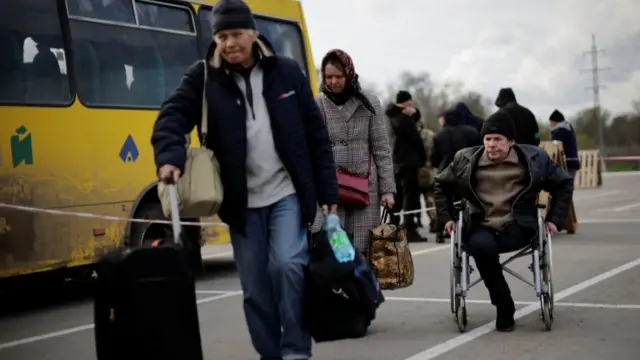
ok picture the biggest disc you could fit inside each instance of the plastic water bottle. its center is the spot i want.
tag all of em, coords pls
(340, 243)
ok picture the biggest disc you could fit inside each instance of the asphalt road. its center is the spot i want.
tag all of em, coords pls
(597, 280)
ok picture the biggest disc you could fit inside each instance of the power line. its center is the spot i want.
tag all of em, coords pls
(595, 87)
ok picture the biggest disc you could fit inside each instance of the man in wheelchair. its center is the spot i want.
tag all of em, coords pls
(500, 182)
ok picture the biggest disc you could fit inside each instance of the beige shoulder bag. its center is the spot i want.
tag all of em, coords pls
(200, 192)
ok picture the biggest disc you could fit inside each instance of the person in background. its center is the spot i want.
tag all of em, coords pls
(527, 129)
(453, 137)
(276, 166)
(426, 175)
(467, 116)
(359, 139)
(409, 155)
(562, 131)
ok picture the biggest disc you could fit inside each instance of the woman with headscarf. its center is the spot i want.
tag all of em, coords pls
(359, 138)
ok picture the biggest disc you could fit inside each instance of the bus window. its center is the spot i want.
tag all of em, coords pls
(284, 36)
(135, 65)
(30, 43)
(165, 17)
(108, 10)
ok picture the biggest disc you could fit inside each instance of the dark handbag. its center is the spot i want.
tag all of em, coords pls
(353, 190)
(341, 299)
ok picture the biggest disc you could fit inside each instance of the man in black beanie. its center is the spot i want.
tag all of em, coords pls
(276, 166)
(409, 155)
(500, 182)
(526, 125)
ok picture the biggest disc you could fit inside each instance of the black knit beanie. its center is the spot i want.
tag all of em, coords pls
(402, 96)
(556, 116)
(499, 123)
(232, 14)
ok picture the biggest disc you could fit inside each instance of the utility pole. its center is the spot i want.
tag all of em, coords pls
(595, 71)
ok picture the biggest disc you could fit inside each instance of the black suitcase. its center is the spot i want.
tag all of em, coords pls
(145, 302)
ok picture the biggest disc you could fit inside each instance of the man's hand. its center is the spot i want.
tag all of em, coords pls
(387, 200)
(333, 208)
(169, 172)
(450, 227)
(551, 228)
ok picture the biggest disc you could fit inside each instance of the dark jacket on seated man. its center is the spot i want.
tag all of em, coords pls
(498, 193)
(500, 182)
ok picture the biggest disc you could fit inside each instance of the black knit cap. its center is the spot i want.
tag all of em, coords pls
(232, 14)
(499, 123)
(402, 96)
(556, 116)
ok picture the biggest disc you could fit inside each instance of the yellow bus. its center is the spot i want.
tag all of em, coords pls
(80, 85)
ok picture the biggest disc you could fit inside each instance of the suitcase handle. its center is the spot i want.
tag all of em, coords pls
(175, 209)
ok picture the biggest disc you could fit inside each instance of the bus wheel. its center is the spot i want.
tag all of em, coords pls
(142, 233)
(146, 233)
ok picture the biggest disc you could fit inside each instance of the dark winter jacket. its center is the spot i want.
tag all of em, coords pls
(564, 133)
(454, 136)
(408, 149)
(299, 133)
(468, 117)
(527, 130)
(542, 174)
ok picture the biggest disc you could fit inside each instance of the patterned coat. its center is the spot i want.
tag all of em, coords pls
(355, 134)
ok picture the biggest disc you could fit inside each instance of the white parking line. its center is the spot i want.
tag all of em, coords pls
(487, 328)
(608, 221)
(564, 304)
(621, 208)
(220, 295)
(580, 196)
(76, 329)
(216, 255)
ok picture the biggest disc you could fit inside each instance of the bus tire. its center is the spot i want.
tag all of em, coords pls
(142, 233)
(145, 233)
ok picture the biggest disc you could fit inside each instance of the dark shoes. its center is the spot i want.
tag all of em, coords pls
(414, 236)
(504, 320)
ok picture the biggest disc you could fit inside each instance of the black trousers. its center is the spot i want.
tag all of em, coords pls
(485, 244)
(407, 195)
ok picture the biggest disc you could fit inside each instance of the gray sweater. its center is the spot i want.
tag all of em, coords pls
(267, 180)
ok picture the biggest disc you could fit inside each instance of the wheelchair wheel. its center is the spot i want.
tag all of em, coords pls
(461, 315)
(454, 277)
(547, 298)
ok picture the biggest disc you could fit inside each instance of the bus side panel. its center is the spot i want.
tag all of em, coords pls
(48, 163)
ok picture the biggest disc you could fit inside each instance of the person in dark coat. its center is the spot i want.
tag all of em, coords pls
(453, 137)
(561, 130)
(276, 167)
(409, 155)
(500, 181)
(527, 129)
(467, 116)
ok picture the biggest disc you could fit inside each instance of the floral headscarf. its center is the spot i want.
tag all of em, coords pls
(352, 86)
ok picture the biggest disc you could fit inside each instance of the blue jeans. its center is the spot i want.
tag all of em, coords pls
(270, 261)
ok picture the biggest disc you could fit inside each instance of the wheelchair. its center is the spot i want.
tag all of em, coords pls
(541, 267)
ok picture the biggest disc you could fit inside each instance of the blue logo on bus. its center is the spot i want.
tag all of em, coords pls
(129, 151)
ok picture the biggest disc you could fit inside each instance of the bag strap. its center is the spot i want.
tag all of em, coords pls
(204, 121)
(386, 213)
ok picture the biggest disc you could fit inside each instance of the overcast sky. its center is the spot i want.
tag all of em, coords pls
(534, 46)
